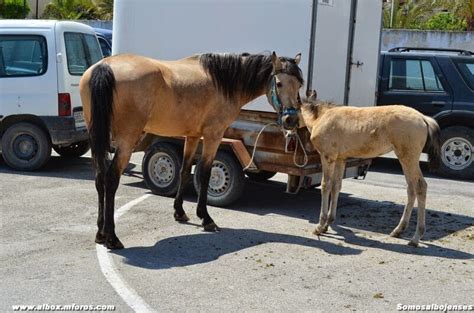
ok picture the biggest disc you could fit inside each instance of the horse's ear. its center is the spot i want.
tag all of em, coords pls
(276, 62)
(311, 94)
(298, 58)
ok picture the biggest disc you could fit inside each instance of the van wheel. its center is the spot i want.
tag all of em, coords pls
(227, 181)
(260, 176)
(161, 167)
(457, 148)
(25, 147)
(73, 151)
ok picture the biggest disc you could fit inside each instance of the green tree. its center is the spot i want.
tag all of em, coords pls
(70, 10)
(463, 9)
(445, 21)
(105, 9)
(408, 14)
(14, 8)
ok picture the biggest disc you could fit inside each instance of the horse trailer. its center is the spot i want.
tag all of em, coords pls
(340, 44)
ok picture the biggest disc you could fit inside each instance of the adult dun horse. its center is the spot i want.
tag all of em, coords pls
(199, 96)
(341, 132)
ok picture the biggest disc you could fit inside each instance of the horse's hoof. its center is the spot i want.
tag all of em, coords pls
(181, 218)
(212, 227)
(114, 244)
(413, 243)
(320, 229)
(99, 238)
(395, 234)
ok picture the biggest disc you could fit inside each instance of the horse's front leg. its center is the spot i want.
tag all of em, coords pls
(204, 173)
(190, 147)
(328, 170)
(336, 184)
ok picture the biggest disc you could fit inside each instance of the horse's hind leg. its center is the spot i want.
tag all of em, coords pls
(421, 188)
(112, 179)
(204, 173)
(336, 184)
(190, 147)
(328, 171)
(99, 185)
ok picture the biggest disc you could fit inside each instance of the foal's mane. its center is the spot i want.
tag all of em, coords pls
(244, 73)
(315, 105)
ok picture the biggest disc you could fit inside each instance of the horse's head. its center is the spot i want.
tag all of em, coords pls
(283, 91)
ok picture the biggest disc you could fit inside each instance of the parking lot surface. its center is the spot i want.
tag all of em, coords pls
(265, 258)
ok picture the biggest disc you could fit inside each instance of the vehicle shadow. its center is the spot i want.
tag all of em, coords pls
(205, 247)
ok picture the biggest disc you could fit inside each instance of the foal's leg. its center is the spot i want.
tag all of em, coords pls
(112, 179)
(99, 185)
(328, 170)
(336, 184)
(421, 188)
(204, 171)
(190, 147)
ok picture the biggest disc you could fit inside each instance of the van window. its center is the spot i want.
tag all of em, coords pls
(82, 51)
(22, 55)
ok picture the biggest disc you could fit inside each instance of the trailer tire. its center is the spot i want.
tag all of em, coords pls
(25, 147)
(161, 168)
(260, 176)
(227, 181)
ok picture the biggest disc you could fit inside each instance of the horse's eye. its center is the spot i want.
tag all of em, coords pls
(279, 84)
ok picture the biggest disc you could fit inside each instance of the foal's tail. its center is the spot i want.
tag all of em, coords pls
(102, 86)
(433, 144)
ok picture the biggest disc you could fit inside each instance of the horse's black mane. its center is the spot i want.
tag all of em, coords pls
(244, 73)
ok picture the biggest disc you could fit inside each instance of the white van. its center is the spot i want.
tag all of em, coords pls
(41, 63)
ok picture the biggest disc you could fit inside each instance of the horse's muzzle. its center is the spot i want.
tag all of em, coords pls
(289, 121)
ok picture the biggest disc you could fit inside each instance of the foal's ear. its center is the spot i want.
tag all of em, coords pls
(298, 58)
(276, 62)
(311, 94)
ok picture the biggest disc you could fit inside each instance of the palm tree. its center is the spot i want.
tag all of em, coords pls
(463, 9)
(105, 9)
(70, 10)
(408, 13)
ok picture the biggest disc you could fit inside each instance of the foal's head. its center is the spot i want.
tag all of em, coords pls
(283, 92)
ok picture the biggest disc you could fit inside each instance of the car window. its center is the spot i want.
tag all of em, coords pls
(82, 51)
(22, 55)
(413, 74)
(466, 68)
(105, 47)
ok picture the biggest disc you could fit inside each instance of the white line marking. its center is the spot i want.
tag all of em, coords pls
(106, 262)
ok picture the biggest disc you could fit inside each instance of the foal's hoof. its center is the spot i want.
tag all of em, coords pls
(320, 229)
(212, 227)
(413, 243)
(99, 238)
(181, 218)
(395, 234)
(114, 244)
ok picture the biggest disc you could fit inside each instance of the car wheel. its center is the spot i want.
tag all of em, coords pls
(260, 176)
(25, 147)
(227, 181)
(161, 167)
(73, 151)
(457, 147)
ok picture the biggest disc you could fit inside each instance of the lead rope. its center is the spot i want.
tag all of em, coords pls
(285, 133)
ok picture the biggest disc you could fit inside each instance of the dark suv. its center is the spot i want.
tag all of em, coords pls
(438, 83)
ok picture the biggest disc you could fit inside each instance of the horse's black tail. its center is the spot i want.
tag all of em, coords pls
(102, 86)
(433, 143)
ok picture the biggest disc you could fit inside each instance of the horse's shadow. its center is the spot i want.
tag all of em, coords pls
(205, 247)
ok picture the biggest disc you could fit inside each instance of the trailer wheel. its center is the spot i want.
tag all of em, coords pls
(161, 166)
(25, 147)
(227, 181)
(260, 176)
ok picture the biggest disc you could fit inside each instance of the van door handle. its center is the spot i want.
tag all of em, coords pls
(75, 85)
(438, 104)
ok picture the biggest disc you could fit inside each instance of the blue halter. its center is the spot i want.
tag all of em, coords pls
(277, 103)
